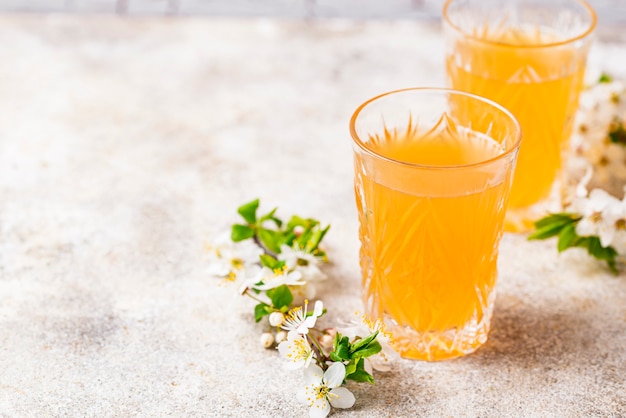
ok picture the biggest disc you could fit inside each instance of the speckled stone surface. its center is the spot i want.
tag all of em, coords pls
(126, 145)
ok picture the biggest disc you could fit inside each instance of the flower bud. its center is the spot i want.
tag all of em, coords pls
(276, 319)
(281, 336)
(326, 341)
(331, 331)
(267, 339)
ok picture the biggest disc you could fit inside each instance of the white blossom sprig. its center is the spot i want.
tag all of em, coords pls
(273, 262)
(594, 217)
(600, 129)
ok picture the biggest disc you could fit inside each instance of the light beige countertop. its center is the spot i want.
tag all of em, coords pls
(127, 144)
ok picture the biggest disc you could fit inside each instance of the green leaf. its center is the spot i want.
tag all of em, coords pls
(363, 342)
(270, 217)
(564, 225)
(304, 238)
(551, 225)
(595, 249)
(261, 310)
(248, 211)
(360, 375)
(562, 217)
(546, 232)
(334, 357)
(271, 262)
(351, 367)
(280, 296)
(341, 349)
(372, 348)
(316, 238)
(271, 239)
(567, 237)
(298, 221)
(288, 238)
(241, 232)
(608, 254)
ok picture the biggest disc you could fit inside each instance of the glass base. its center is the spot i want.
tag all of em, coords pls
(441, 345)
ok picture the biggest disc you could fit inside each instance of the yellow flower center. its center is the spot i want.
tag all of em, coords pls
(280, 271)
(322, 391)
(299, 350)
(294, 313)
(596, 217)
(603, 161)
(237, 263)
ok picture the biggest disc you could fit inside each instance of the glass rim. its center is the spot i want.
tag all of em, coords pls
(592, 25)
(359, 142)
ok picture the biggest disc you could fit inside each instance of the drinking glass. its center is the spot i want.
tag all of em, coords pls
(529, 56)
(433, 170)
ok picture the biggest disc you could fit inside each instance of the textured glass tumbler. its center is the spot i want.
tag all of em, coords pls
(529, 56)
(433, 169)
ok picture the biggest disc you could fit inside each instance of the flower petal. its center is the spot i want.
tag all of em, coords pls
(295, 365)
(302, 396)
(304, 328)
(219, 269)
(341, 398)
(284, 348)
(313, 375)
(586, 227)
(310, 321)
(319, 409)
(319, 308)
(293, 353)
(307, 361)
(606, 233)
(335, 374)
(601, 197)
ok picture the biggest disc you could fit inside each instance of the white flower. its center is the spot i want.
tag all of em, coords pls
(323, 390)
(594, 210)
(616, 216)
(363, 328)
(297, 350)
(269, 279)
(298, 321)
(602, 110)
(307, 263)
(610, 162)
(233, 260)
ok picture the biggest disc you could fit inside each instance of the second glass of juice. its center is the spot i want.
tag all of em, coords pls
(433, 169)
(529, 56)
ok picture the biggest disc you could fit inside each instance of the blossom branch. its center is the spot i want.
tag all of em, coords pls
(275, 262)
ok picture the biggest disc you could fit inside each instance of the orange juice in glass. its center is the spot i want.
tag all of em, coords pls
(433, 169)
(529, 56)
